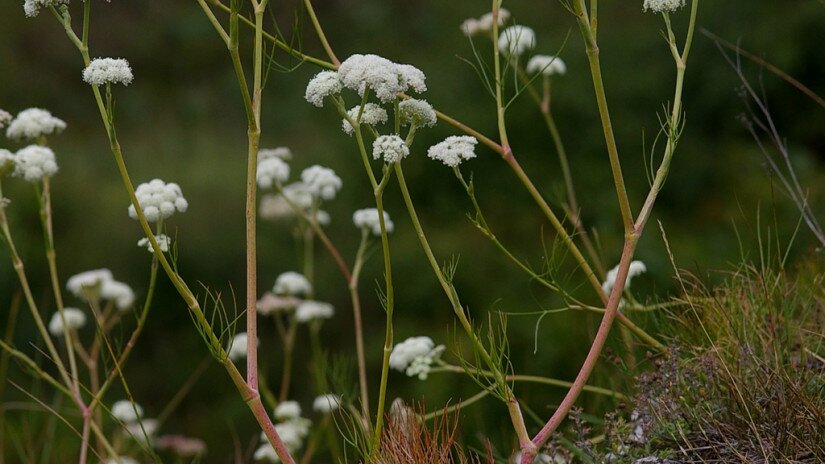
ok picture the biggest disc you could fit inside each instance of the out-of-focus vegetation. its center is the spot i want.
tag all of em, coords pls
(181, 121)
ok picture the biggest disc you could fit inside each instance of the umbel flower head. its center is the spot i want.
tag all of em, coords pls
(321, 182)
(271, 170)
(88, 284)
(663, 6)
(164, 241)
(75, 320)
(326, 403)
(367, 218)
(108, 71)
(32, 7)
(546, 65)
(159, 200)
(287, 410)
(515, 40)
(415, 356)
(473, 26)
(292, 433)
(417, 112)
(636, 268)
(33, 123)
(119, 293)
(391, 148)
(126, 411)
(237, 348)
(299, 195)
(35, 162)
(5, 118)
(278, 152)
(372, 115)
(310, 310)
(321, 86)
(7, 162)
(292, 284)
(100, 284)
(453, 150)
(383, 77)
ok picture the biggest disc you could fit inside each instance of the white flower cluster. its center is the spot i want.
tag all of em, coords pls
(299, 195)
(415, 356)
(380, 75)
(515, 40)
(274, 207)
(33, 123)
(143, 431)
(100, 284)
(292, 284)
(7, 162)
(453, 150)
(32, 7)
(89, 282)
(136, 426)
(108, 71)
(5, 118)
(159, 200)
(663, 6)
(237, 348)
(75, 320)
(271, 170)
(278, 152)
(391, 148)
(367, 218)
(321, 182)
(287, 410)
(293, 430)
(326, 403)
(126, 411)
(164, 242)
(119, 293)
(311, 310)
(372, 115)
(35, 162)
(473, 26)
(271, 303)
(321, 86)
(636, 268)
(547, 65)
(417, 112)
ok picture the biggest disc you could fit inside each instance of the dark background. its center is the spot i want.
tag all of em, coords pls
(182, 120)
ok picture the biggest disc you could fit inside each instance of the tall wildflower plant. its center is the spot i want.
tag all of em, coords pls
(382, 108)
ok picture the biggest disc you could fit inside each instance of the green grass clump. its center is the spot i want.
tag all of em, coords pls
(744, 381)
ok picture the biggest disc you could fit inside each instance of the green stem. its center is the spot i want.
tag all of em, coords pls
(534, 379)
(289, 345)
(452, 295)
(19, 269)
(320, 31)
(601, 100)
(456, 407)
(278, 43)
(250, 395)
(359, 330)
(631, 240)
(45, 200)
(378, 191)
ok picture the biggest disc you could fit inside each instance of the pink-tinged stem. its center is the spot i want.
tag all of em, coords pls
(595, 349)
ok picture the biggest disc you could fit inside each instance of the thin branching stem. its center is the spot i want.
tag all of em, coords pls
(631, 238)
(512, 405)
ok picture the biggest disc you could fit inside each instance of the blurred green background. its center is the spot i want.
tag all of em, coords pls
(181, 120)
